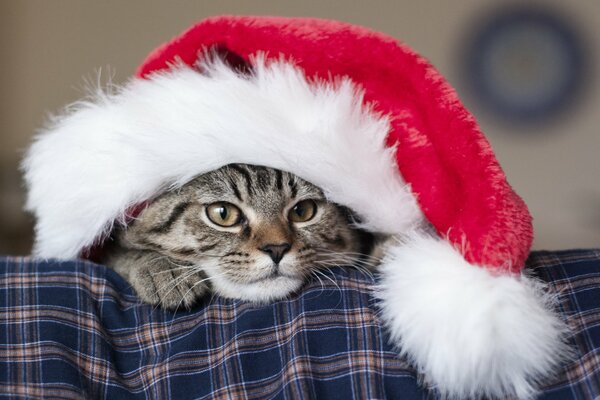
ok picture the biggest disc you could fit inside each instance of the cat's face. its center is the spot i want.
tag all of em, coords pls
(256, 232)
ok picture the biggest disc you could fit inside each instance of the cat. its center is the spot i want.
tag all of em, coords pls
(241, 231)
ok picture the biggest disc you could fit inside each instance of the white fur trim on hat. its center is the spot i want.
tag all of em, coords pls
(85, 171)
(471, 333)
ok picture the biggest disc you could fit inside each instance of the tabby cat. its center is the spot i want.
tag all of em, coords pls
(241, 231)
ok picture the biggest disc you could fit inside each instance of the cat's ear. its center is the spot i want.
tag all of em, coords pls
(221, 53)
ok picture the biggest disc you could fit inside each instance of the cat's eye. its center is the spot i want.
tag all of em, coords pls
(303, 211)
(224, 214)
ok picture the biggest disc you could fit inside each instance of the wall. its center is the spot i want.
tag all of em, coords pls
(49, 50)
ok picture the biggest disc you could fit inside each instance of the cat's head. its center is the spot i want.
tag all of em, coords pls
(256, 232)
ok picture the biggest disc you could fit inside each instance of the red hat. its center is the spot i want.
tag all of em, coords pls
(357, 113)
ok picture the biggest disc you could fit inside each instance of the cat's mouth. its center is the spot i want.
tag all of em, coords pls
(266, 287)
(273, 275)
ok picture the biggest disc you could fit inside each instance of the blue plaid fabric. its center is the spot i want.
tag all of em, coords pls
(76, 330)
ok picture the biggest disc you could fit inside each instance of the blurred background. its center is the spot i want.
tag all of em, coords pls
(529, 74)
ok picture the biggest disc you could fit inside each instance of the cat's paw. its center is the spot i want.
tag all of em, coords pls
(170, 286)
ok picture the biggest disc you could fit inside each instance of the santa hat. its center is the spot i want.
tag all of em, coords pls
(360, 115)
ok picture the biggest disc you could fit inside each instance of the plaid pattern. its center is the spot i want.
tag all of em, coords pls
(75, 330)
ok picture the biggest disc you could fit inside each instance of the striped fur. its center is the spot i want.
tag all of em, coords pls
(172, 254)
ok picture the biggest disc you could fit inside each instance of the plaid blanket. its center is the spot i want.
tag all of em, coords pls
(76, 330)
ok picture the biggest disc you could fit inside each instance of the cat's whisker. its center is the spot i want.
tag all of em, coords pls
(328, 277)
(174, 269)
(170, 261)
(188, 291)
(340, 261)
(350, 260)
(200, 253)
(325, 249)
(164, 257)
(312, 273)
(339, 257)
(364, 269)
(351, 253)
(173, 284)
(332, 263)
(208, 278)
(180, 279)
(159, 257)
(209, 255)
(346, 260)
(354, 253)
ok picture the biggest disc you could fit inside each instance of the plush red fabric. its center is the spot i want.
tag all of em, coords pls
(441, 151)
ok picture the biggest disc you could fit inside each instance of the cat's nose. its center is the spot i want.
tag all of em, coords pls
(276, 251)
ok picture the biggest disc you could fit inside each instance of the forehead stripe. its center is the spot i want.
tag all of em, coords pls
(278, 179)
(245, 174)
(178, 210)
(235, 189)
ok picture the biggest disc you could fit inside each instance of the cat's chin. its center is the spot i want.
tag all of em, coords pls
(261, 291)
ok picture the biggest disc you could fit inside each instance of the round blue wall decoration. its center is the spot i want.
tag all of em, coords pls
(525, 64)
